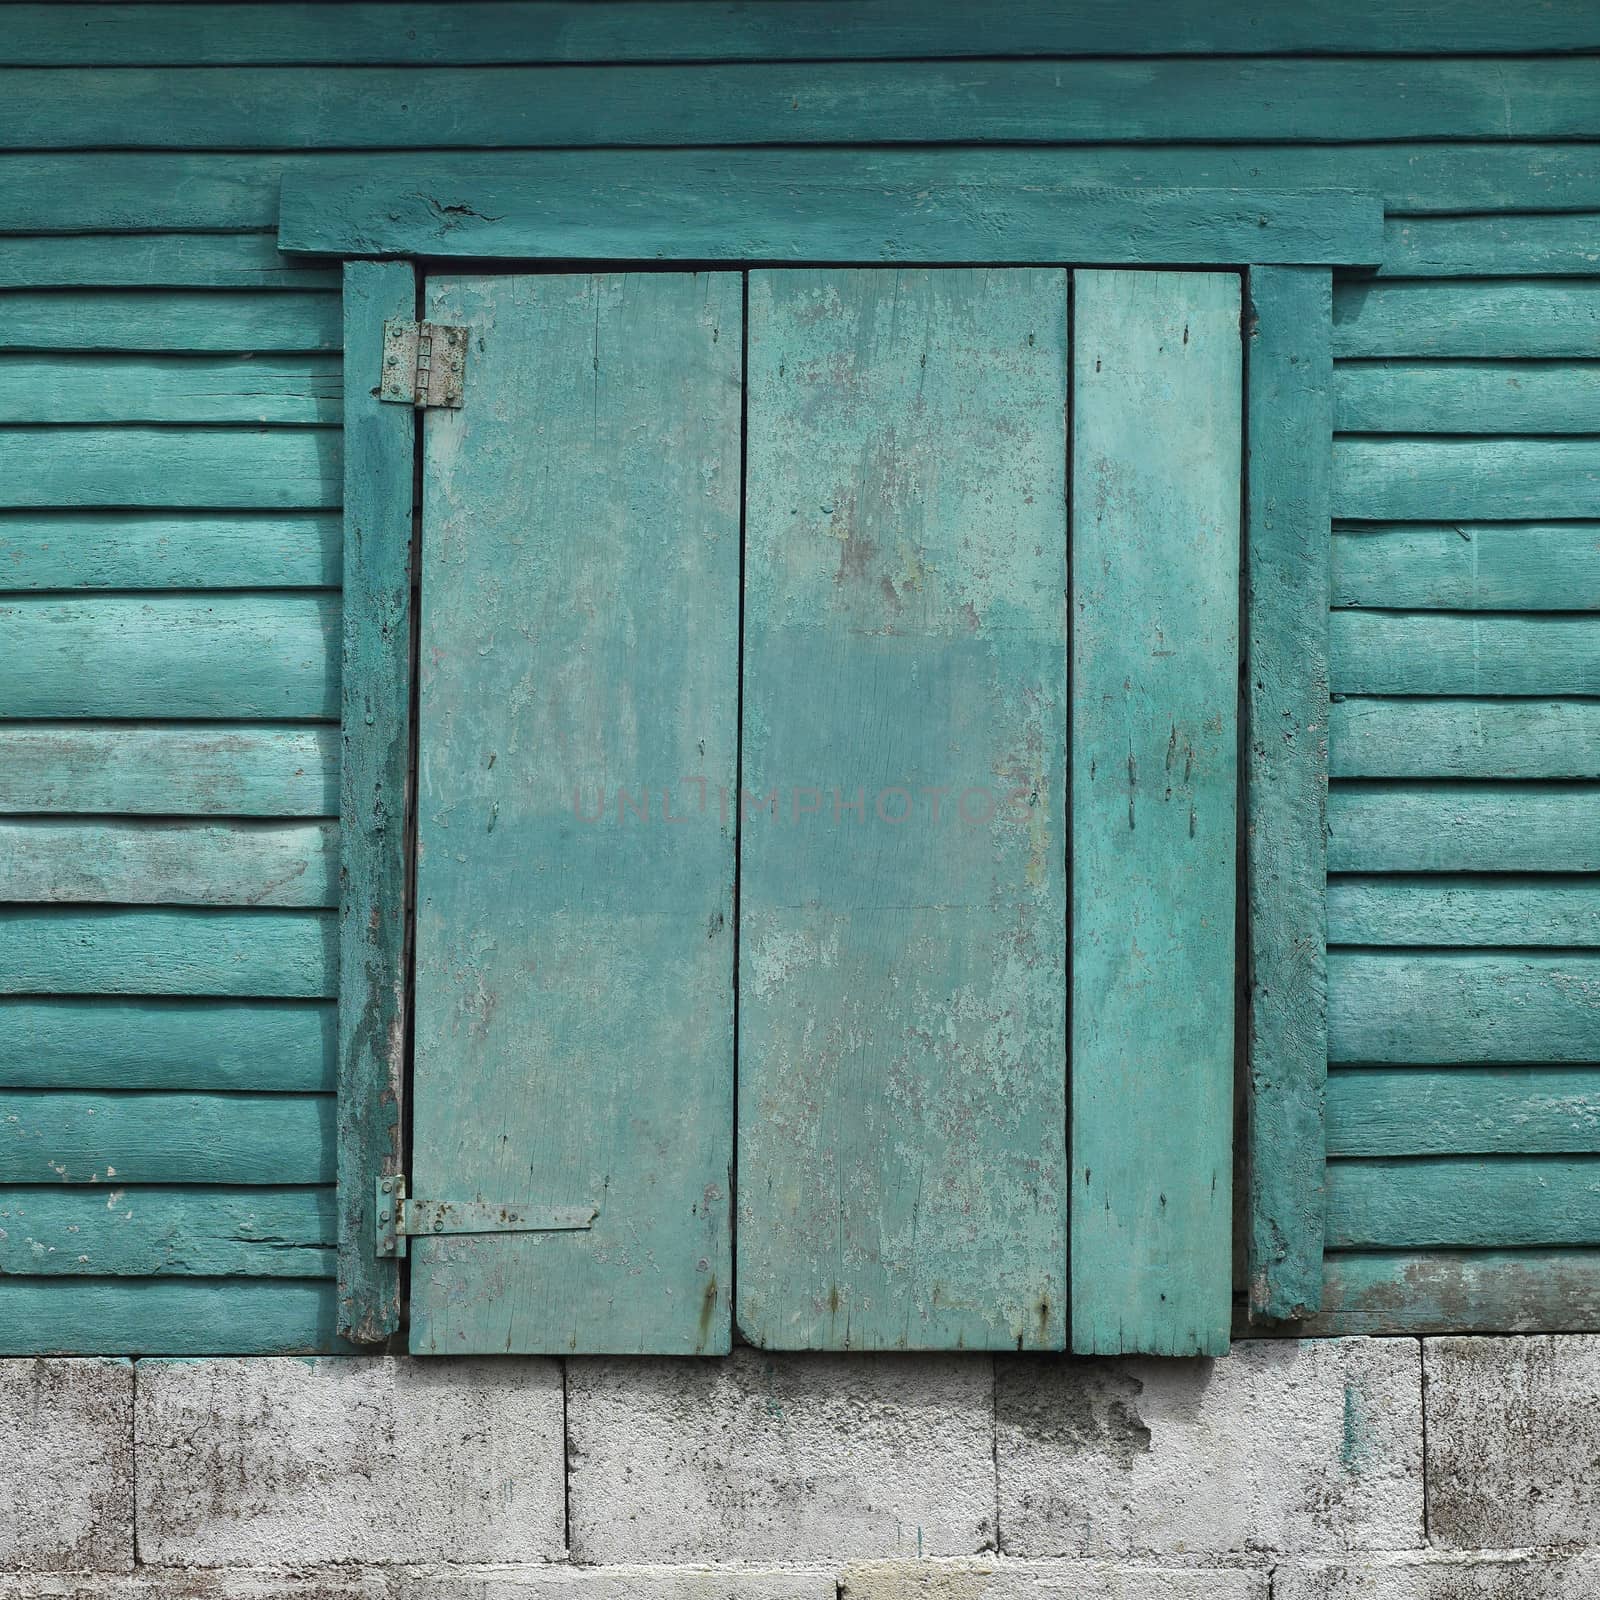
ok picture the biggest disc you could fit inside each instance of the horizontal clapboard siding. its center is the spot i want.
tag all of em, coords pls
(169, 405)
(1097, 102)
(574, 31)
(1464, 901)
(170, 552)
(184, 191)
(115, 1042)
(189, 1231)
(126, 549)
(53, 1136)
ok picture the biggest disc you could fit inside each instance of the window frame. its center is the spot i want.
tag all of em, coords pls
(501, 217)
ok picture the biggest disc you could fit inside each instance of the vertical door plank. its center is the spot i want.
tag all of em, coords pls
(575, 976)
(1288, 551)
(376, 735)
(901, 1174)
(1155, 561)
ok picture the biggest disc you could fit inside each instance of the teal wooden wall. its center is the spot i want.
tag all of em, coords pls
(169, 539)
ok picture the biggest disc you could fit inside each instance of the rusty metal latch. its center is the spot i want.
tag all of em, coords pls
(423, 363)
(400, 1218)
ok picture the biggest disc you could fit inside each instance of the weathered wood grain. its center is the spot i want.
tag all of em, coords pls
(193, 1231)
(217, 770)
(574, 994)
(1468, 566)
(233, 863)
(850, 215)
(902, 1031)
(67, 387)
(1474, 1202)
(1423, 652)
(141, 320)
(1505, 739)
(55, 1136)
(1488, 1291)
(1464, 397)
(1410, 1007)
(169, 1316)
(1464, 827)
(169, 550)
(1463, 1111)
(1425, 479)
(375, 794)
(266, 954)
(146, 656)
(639, 30)
(1521, 246)
(1465, 909)
(102, 1042)
(1289, 407)
(485, 106)
(1527, 318)
(187, 468)
(159, 261)
(1157, 403)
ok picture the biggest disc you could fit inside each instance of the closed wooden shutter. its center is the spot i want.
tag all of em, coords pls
(746, 610)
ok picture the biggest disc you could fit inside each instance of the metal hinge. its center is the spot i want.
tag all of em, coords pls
(400, 1218)
(423, 363)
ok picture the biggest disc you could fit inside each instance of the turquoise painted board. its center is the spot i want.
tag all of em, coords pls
(375, 794)
(902, 1032)
(579, 676)
(1157, 404)
(1286, 564)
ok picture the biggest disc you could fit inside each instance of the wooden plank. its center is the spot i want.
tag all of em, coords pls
(1465, 909)
(168, 388)
(1464, 827)
(172, 550)
(229, 656)
(170, 863)
(1409, 479)
(265, 954)
(1480, 1291)
(1463, 739)
(1490, 397)
(1529, 317)
(159, 261)
(1286, 572)
(167, 1316)
(52, 1136)
(278, 1046)
(1409, 1007)
(1428, 652)
(552, 191)
(228, 771)
(183, 1232)
(1155, 660)
(637, 30)
(1414, 1111)
(375, 795)
(188, 468)
(1168, 101)
(215, 320)
(851, 216)
(140, 320)
(1521, 246)
(1476, 1202)
(553, 958)
(902, 1028)
(1468, 566)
